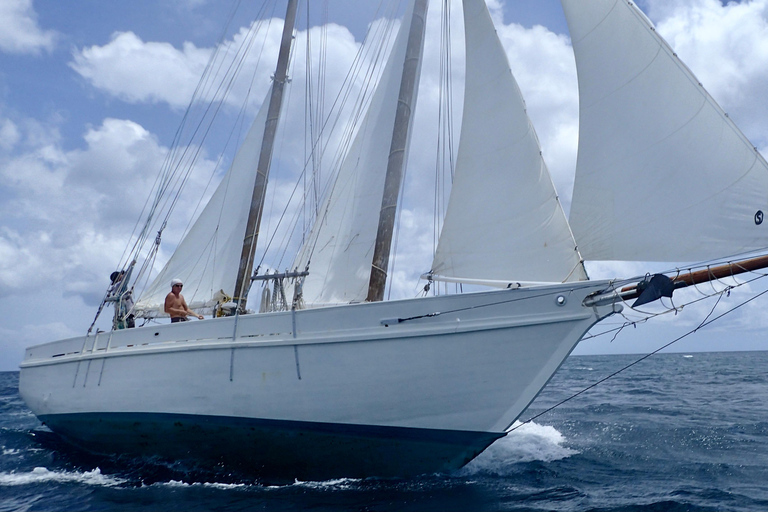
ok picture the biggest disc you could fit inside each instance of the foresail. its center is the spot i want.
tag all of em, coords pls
(504, 221)
(206, 260)
(340, 247)
(662, 173)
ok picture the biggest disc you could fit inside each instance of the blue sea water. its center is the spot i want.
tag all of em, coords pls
(676, 432)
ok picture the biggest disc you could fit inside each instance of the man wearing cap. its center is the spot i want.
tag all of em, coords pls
(176, 306)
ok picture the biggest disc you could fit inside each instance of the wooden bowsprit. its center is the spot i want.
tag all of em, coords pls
(656, 286)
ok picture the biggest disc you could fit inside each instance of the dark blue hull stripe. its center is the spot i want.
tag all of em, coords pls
(291, 449)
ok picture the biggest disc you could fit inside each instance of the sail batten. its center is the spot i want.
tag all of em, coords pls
(662, 173)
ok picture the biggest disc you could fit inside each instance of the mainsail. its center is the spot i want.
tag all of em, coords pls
(504, 221)
(206, 260)
(662, 173)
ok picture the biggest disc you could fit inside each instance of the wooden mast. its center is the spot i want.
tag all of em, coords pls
(243, 281)
(396, 163)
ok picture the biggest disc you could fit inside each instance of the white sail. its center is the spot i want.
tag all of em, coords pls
(504, 221)
(206, 260)
(662, 174)
(340, 247)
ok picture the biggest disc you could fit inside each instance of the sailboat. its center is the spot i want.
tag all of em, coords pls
(331, 380)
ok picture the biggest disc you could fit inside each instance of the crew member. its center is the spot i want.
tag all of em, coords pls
(176, 306)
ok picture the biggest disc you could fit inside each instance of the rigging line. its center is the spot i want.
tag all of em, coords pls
(346, 86)
(230, 17)
(245, 286)
(365, 95)
(293, 193)
(381, 32)
(226, 85)
(379, 50)
(315, 100)
(133, 251)
(218, 98)
(321, 83)
(238, 125)
(237, 64)
(199, 91)
(167, 177)
(444, 151)
(309, 120)
(675, 310)
(316, 125)
(704, 323)
(373, 46)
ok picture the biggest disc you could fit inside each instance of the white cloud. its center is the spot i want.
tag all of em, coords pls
(726, 46)
(69, 213)
(545, 69)
(139, 72)
(9, 134)
(19, 31)
(136, 71)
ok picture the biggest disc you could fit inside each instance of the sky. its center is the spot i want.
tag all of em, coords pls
(92, 92)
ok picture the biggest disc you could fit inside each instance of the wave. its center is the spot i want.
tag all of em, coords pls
(212, 485)
(529, 442)
(44, 475)
(336, 484)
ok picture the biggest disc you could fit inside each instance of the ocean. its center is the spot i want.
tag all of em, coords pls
(676, 432)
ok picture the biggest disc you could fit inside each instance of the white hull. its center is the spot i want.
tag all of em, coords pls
(472, 369)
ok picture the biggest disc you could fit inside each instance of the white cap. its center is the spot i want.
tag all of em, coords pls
(174, 282)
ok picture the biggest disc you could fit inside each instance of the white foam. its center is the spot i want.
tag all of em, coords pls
(339, 483)
(41, 475)
(174, 483)
(214, 485)
(527, 443)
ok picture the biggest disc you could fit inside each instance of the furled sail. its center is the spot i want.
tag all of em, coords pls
(340, 247)
(206, 260)
(662, 173)
(504, 221)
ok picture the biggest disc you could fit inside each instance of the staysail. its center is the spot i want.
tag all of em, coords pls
(504, 221)
(340, 247)
(662, 173)
(206, 260)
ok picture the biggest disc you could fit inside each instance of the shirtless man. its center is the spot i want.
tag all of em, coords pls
(176, 306)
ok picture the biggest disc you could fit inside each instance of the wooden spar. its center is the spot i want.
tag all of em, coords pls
(703, 276)
(242, 284)
(405, 104)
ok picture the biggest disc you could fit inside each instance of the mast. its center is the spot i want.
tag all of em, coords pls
(405, 104)
(242, 283)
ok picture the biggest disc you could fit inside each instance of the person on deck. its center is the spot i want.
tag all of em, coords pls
(176, 306)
